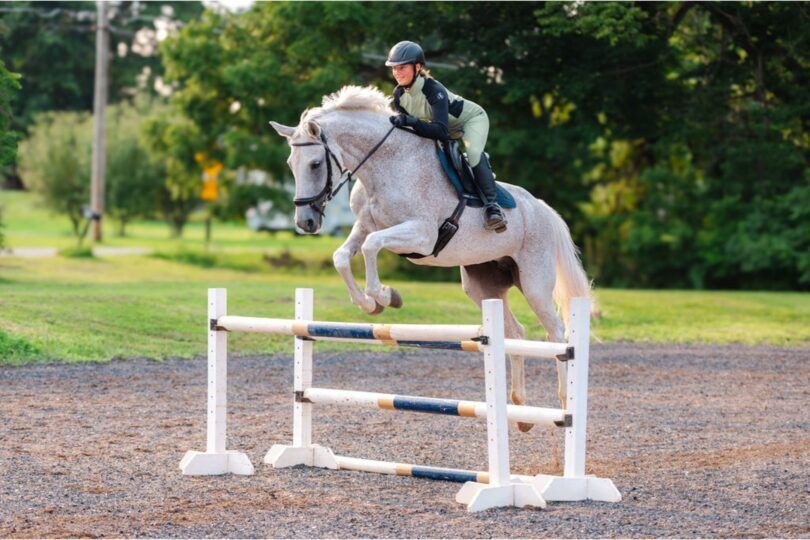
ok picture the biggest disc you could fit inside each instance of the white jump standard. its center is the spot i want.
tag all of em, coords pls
(482, 490)
(216, 459)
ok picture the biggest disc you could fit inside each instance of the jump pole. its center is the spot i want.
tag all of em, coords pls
(519, 490)
(495, 489)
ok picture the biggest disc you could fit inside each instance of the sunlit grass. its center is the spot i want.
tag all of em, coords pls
(103, 308)
(29, 224)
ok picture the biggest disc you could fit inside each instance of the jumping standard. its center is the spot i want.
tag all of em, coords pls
(493, 488)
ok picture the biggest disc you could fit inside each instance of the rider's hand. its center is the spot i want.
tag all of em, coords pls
(401, 120)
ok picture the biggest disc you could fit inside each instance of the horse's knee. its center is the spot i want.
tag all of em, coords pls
(341, 259)
(370, 247)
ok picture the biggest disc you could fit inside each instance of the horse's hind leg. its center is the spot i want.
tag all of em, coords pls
(537, 276)
(491, 280)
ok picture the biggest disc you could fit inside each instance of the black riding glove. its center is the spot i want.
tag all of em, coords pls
(402, 120)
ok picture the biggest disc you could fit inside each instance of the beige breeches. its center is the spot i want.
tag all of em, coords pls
(475, 133)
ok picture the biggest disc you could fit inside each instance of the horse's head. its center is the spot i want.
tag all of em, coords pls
(315, 168)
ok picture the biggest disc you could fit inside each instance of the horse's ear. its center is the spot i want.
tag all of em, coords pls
(281, 129)
(313, 129)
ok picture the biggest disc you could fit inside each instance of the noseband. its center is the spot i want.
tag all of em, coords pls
(319, 201)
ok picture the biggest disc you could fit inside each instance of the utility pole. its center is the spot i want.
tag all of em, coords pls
(99, 105)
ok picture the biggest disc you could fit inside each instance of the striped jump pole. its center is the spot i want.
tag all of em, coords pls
(451, 337)
(452, 407)
(499, 489)
(382, 332)
(492, 488)
(419, 471)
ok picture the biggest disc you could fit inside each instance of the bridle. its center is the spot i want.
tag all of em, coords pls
(319, 201)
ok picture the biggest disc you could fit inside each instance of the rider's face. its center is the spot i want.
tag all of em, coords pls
(404, 73)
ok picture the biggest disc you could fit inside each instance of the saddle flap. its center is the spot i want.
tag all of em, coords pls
(461, 165)
(452, 162)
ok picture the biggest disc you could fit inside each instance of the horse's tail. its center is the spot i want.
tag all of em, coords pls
(571, 278)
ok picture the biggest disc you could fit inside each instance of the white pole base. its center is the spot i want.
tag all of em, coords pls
(561, 488)
(202, 463)
(480, 497)
(283, 455)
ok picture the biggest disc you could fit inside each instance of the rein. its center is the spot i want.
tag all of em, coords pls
(319, 201)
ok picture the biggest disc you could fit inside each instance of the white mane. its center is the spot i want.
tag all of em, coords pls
(350, 98)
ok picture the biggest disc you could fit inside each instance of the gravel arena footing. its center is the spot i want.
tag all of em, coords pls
(702, 441)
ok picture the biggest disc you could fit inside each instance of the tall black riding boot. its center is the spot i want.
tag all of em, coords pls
(485, 179)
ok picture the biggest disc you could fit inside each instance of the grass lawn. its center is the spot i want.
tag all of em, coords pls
(29, 224)
(96, 309)
(122, 307)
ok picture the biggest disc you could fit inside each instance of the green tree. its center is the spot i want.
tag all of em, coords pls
(9, 84)
(55, 161)
(134, 182)
(672, 136)
(53, 46)
(173, 142)
(236, 72)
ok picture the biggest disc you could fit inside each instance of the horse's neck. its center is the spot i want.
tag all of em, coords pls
(357, 134)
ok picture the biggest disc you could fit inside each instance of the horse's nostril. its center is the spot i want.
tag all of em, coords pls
(310, 224)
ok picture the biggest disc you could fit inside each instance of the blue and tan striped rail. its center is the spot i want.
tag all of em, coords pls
(405, 469)
(418, 471)
(427, 336)
(451, 407)
(383, 332)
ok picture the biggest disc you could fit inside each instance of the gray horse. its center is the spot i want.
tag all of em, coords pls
(400, 200)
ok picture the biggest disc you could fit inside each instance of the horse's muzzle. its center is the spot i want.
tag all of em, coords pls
(308, 220)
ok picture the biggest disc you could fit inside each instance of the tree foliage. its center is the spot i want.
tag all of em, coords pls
(52, 46)
(135, 182)
(9, 85)
(673, 136)
(55, 161)
(173, 142)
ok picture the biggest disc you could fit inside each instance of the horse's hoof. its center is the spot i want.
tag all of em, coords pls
(377, 310)
(524, 427)
(396, 299)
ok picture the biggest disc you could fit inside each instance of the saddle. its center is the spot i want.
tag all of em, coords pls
(458, 171)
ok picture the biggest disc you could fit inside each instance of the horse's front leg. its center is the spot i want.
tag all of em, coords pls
(342, 260)
(408, 237)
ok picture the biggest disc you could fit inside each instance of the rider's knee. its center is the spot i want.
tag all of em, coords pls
(474, 156)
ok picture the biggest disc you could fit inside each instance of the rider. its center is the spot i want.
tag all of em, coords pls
(434, 112)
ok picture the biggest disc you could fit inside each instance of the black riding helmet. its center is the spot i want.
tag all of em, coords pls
(405, 52)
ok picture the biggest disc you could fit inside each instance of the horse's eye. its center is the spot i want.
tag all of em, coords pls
(315, 164)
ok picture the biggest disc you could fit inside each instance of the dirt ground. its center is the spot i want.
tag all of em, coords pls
(702, 441)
